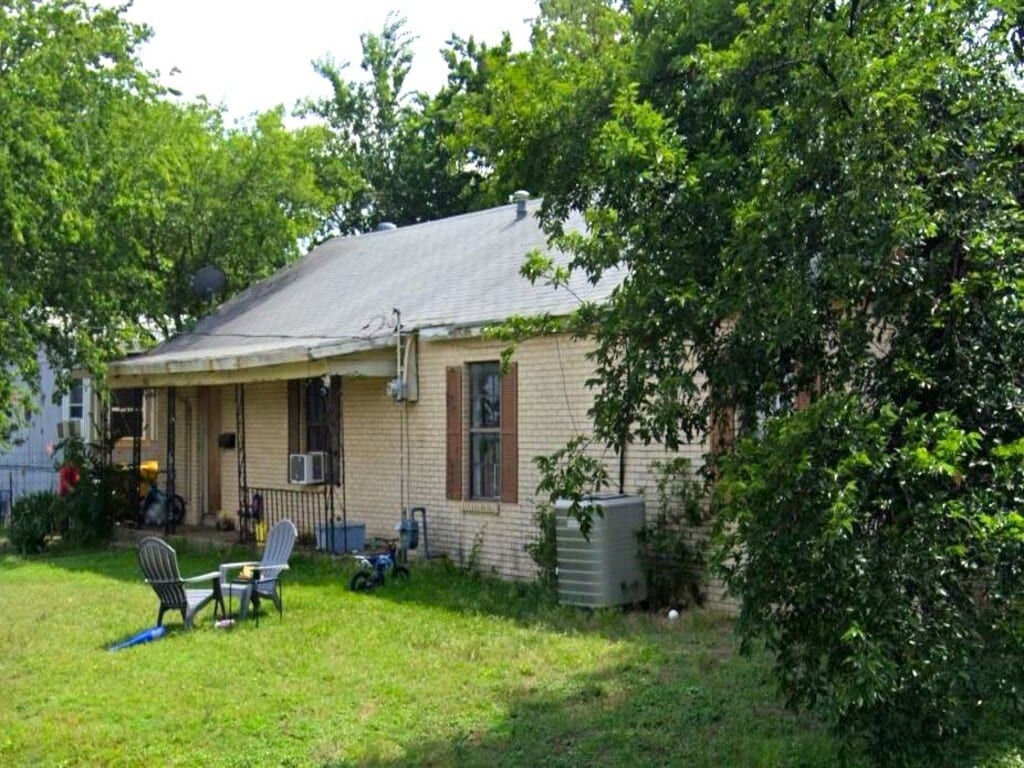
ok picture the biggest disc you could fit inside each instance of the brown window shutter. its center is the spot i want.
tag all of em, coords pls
(294, 416)
(453, 447)
(510, 435)
(723, 430)
(804, 397)
(334, 429)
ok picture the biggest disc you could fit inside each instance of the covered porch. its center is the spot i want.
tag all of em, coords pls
(248, 441)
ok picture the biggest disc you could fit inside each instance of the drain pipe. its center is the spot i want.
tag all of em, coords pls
(397, 314)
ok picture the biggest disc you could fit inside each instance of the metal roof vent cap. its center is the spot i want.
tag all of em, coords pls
(386, 226)
(520, 197)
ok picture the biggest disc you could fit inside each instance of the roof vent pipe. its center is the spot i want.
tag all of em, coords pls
(519, 198)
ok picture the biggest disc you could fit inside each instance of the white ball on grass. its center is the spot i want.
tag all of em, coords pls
(673, 615)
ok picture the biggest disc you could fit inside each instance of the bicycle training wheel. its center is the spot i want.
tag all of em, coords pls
(362, 581)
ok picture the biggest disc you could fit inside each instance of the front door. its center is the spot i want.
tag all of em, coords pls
(211, 412)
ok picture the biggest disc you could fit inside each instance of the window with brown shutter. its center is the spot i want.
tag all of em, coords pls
(295, 416)
(334, 413)
(485, 419)
(488, 426)
(314, 420)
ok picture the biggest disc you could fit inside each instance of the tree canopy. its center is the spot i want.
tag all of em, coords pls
(407, 156)
(67, 74)
(816, 202)
(112, 196)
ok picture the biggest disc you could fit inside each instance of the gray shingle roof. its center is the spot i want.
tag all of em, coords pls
(461, 271)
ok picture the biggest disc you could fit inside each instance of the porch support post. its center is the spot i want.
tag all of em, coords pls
(335, 470)
(135, 497)
(172, 418)
(340, 480)
(244, 513)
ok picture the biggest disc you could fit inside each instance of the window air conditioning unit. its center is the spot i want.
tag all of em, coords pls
(69, 428)
(306, 468)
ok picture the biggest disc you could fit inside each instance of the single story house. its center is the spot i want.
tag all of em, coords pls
(356, 383)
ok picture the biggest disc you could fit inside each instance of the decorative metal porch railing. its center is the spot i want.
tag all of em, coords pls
(311, 511)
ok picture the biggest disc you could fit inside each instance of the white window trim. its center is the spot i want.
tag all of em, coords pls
(84, 420)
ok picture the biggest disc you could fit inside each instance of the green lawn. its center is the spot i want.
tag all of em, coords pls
(445, 669)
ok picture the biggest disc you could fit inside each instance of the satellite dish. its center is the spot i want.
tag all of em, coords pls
(208, 282)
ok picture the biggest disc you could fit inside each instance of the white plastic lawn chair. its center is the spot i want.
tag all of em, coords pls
(264, 579)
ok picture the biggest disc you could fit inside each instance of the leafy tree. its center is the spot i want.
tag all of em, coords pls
(67, 73)
(365, 119)
(399, 154)
(815, 201)
(441, 175)
(242, 199)
(111, 198)
(524, 119)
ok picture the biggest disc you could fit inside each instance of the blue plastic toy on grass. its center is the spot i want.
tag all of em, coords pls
(145, 636)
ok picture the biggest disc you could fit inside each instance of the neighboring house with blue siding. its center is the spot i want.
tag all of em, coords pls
(26, 465)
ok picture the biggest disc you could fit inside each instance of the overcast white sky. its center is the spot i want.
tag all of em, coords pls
(251, 55)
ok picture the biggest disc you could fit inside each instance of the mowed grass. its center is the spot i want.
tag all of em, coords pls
(445, 669)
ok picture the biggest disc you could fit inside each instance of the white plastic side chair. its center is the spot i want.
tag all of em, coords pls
(265, 578)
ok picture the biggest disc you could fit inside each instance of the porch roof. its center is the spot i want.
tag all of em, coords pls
(329, 311)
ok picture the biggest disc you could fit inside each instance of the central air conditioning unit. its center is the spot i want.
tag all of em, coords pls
(604, 568)
(306, 468)
(69, 428)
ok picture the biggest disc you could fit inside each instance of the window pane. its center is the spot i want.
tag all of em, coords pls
(316, 416)
(125, 424)
(126, 413)
(485, 395)
(485, 465)
(76, 400)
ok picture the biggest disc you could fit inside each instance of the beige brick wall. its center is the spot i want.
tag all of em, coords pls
(373, 480)
(553, 405)
(266, 442)
(379, 453)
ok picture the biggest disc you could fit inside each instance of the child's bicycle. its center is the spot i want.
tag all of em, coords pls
(156, 506)
(372, 569)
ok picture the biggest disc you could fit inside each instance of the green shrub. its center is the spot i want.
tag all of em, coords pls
(544, 549)
(671, 547)
(574, 474)
(85, 515)
(878, 552)
(85, 512)
(32, 520)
